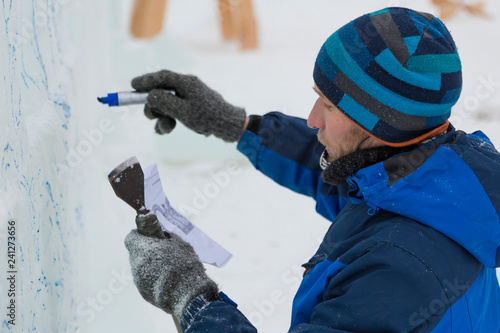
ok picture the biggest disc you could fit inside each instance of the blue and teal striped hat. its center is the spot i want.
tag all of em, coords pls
(396, 73)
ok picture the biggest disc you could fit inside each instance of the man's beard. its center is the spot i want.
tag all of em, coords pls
(351, 144)
(330, 154)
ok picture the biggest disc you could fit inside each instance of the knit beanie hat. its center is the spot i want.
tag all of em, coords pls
(395, 73)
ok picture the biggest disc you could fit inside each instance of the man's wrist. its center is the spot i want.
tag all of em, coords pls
(252, 124)
(247, 120)
(197, 304)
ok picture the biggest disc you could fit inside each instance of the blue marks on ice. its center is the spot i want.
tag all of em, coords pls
(49, 190)
(25, 76)
(50, 287)
(17, 116)
(6, 325)
(57, 222)
(27, 185)
(21, 253)
(66, 108)
(6, 17)
(6, 150)
(24, 79)
(78, 216)
(38, 54)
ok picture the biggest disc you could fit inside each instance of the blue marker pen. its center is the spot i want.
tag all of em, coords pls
(126, 98)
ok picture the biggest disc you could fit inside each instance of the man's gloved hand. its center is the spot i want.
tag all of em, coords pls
(167, 272)
(195, 105)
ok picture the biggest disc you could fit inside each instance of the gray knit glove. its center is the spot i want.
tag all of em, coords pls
(167, 272)
(194, 104)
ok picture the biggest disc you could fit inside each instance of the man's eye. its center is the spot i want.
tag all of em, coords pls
(329, 107)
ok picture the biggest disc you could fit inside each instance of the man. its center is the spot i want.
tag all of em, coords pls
(414, 203)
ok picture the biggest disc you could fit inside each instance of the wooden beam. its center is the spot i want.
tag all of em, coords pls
(247, 26)
(449, 8)
(147, 18)
(227, 19)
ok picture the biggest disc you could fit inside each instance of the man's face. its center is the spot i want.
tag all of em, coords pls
(335, 131)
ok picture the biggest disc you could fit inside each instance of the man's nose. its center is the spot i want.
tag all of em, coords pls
(315, 116)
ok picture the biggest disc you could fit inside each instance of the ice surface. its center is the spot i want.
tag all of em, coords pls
(37, 189)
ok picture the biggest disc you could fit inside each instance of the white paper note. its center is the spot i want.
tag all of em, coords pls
(172, 221)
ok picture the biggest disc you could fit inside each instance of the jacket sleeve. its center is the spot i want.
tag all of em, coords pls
(220, 316)
(385, 290)
(286, 150)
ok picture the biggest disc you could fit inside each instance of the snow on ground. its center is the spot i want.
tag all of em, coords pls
(270, 230)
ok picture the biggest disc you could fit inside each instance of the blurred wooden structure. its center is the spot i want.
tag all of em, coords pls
(237, 20)
(147, 18)
(448, 8)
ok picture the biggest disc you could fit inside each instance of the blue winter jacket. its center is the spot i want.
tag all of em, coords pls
(412, 247)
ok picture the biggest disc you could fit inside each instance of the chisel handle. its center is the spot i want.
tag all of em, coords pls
(148, 224)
